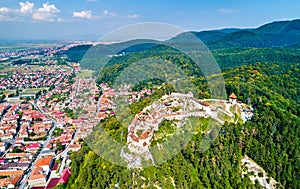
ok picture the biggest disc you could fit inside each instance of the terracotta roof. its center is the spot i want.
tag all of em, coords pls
(145, 134)
(233, 96)
(16, 154)
(12, 172)
(37, 170)
(75, 146)
(37, 176)
(15, 180)
(134, 138)
(24, 160)
(44, 161)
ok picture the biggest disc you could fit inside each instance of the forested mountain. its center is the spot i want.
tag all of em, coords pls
(271, 139)
(275, 34)
(261, 65)
(226, 58)
(280, 40)
(280, 27)
(207, 36)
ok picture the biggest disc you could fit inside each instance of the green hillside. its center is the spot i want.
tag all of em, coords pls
(280, 27)
(273, 42)
(261, 66)
(271, 139)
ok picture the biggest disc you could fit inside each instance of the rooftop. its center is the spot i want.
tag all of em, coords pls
(233, 96)
(44, 161)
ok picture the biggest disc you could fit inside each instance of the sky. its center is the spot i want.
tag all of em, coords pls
(84, 19)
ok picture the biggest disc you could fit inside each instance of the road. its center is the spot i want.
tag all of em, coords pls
(49, 136)
(11, 141)
(65, 152)
(29, 169)
(98, 105)
(76, 92)
(77, 88)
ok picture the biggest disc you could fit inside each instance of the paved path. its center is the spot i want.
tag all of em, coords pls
(46, 142)
(65, 152)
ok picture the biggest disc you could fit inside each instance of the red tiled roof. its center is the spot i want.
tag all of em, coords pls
(55, 166)
(52, 183)
(11, 172)
(233, 96)
(15, 180)
(37, 176)
(44, 161)
(33, 145)
(65, 176)
(38, 187)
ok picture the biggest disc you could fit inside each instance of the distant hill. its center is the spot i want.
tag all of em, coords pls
(280, 27)
(273, 42)
(245, 39)
(76, 53)
(231, 30)
(275, 34)
(206, 36)
(295, 45)
(211, 35)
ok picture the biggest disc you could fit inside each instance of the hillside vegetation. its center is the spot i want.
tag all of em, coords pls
(261, 66)
(273, 42)
(271, 139)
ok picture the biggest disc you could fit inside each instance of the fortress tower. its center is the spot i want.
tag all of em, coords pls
(232, 98)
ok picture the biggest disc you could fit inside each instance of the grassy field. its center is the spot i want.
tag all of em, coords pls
(13, 48)
(26, 46)
(26, 91)
(9, 69)
(32, 90)
(2, 66)
(85, 73)
(30, 68)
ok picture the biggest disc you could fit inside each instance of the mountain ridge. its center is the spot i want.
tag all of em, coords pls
(274, 34)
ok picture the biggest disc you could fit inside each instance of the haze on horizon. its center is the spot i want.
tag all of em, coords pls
(90, 19)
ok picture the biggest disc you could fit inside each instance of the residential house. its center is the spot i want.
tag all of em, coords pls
(37, 177)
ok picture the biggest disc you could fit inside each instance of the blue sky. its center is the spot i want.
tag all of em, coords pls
(77, 19)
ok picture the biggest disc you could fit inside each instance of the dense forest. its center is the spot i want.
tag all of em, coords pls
(260, 67)
(275, 42)
(226, 57)
(271, 139)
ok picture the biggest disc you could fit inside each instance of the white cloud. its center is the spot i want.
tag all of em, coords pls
(26, 7)
(226, 10)
(5, 10)
(108, 13)
(7, 14)
(132, 16)
(49, 8)
(9, 18)
(4, 18)
(83, 14)
(47, 13)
